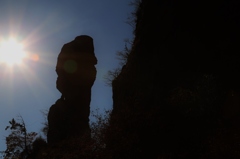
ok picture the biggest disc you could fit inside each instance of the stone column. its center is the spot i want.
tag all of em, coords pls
(69, 116)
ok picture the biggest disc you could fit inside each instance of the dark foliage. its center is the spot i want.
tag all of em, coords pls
(19, 141)
(45, 123)
(77, 147)
(177, 93)
(122, 56)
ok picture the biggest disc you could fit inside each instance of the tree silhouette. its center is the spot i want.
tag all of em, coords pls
(122, 56)
(19, 141)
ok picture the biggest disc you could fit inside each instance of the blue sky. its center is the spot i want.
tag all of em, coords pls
(43, 27)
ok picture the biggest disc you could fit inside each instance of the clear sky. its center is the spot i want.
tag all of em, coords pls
(43, 26)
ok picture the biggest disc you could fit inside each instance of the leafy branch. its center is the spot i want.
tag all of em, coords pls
(19, 141)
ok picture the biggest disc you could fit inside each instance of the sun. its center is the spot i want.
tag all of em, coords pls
(11, 52)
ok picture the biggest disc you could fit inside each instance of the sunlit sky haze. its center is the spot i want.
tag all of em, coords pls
(42, 27)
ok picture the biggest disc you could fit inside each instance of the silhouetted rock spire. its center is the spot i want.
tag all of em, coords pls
(69, 116)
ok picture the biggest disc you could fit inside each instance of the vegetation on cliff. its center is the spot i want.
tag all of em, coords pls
(176, 94)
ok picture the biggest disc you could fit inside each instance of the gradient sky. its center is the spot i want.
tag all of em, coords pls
(43, 26)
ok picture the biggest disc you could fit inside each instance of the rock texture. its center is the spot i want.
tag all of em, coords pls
(76, 71)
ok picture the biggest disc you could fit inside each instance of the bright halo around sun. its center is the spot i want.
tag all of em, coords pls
(11, 52)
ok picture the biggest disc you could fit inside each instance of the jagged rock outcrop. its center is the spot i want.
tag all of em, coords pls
(169, 99)
(69, 116)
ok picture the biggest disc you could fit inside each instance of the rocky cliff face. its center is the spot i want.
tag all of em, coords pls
(169, 99)
(76, 71)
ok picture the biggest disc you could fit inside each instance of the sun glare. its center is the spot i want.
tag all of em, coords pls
(11, 52)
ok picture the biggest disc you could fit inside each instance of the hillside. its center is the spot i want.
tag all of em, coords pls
(178, 94)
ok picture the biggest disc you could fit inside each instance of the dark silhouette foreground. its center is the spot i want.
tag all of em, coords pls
(69, 116)
(177, 96)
